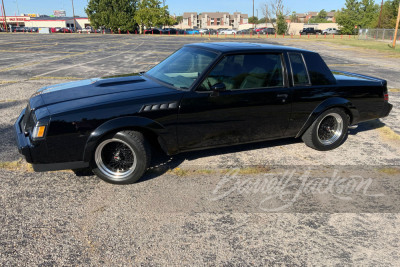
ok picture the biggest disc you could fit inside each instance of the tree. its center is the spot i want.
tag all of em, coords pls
(260, 21)
(150, 14)
(348, 17)
(253, 20)
(113, 14)
(389, 14)
(322, 14)
(321, 17)
(272, 10)
(369, 13)
(362, 13)
(281, 24)
(179, 19)
(293, 17)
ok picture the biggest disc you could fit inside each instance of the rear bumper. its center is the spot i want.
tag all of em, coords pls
(386, 109)
(23, 142)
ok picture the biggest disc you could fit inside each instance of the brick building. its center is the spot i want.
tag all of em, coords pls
(213, 20)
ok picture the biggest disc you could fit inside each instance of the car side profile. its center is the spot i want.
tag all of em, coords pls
(202, 96)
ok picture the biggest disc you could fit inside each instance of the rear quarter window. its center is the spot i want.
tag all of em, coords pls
(299, 69)
(319, 72)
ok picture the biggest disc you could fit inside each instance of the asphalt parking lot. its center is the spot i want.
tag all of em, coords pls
(198, 208)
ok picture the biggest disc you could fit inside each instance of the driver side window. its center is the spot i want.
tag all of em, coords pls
(246, 71)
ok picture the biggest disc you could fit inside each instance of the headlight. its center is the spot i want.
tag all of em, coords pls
(39, 132)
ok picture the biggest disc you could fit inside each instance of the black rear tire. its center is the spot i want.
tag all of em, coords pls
(328, 131)
(122, 158)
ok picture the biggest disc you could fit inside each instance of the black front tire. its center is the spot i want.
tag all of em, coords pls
(328, 131)
(122, 158)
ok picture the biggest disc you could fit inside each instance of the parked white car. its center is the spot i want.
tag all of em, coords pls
(229, 31)
(330, 31)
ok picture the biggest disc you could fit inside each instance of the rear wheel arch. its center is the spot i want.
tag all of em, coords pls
(335, 102)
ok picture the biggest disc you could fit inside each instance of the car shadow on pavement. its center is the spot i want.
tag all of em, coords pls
(162, 163)
(367, 126)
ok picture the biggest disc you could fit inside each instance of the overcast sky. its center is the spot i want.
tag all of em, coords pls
(176, 7)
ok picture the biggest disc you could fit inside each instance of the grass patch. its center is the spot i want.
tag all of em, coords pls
(372, 45)
(239, 171)
(18, 165)
(179, 172)
(388, 134)
(390, 170)
(253, 170)
(53, 78)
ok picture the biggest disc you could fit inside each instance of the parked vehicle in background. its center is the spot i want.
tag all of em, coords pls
(205, 95)
(32, 29)
(181, 31)
(152, 31)
(65, 30)
(87, 30)
(310, 30)
(260, 29)
(221, 29)
(229, 31)
(203, 31)
(169, 31)
(267, 31)
(330, 31)
(18, 29)
(55, 30)
(211, 32)
(192, 31)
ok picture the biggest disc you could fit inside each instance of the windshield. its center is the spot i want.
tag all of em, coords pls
(182, 68)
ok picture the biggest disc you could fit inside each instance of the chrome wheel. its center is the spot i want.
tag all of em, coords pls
(330, 129)
(115, 158)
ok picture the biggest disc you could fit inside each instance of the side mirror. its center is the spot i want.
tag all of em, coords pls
(218, 87)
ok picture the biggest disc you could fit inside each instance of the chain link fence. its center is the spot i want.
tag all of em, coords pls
(377, 34)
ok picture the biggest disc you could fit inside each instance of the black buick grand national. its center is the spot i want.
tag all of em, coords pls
(202, 96)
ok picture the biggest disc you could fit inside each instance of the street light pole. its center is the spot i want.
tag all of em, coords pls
(397, 27)
(73, 13)
(4, 15)
(253, 15)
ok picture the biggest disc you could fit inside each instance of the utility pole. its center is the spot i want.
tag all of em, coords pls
(380, 16)
(17, 7)
(4, 15)
(73, 13)
(397, 27)
(253, 15)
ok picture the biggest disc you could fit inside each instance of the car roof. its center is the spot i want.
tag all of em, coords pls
(226, 47)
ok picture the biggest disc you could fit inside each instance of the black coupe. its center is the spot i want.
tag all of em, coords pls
(202, 96)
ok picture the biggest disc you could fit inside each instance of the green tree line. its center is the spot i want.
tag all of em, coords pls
(365, 14)
(128, 15)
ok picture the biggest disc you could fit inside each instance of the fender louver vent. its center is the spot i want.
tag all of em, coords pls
(163, 106)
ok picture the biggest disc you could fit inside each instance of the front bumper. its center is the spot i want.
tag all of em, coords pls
(27, 149)
(23, 141)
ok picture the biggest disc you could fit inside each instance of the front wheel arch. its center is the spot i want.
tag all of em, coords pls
(147, 127)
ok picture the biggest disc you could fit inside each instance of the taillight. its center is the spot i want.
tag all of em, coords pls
(386, 97)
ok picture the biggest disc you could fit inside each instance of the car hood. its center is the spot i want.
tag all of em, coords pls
(132, 86)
